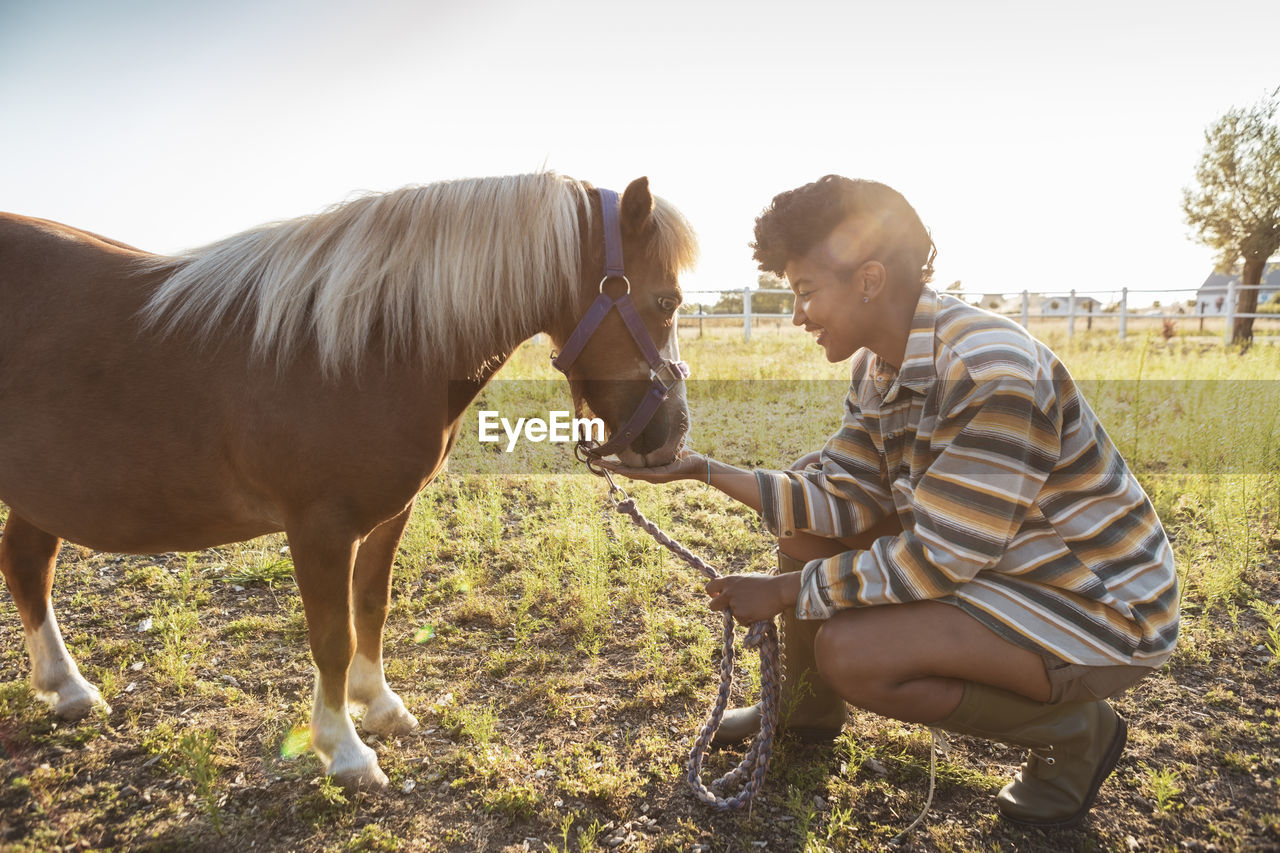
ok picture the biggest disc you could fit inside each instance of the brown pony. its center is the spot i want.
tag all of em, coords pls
(308, 376)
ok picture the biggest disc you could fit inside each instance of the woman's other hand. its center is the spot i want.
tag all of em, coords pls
(754, 597)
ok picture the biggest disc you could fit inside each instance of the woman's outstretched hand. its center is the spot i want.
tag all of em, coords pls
(689, 466)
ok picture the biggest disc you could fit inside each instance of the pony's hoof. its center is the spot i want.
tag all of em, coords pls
(389, 718)
(364, 779)
(75, 700)
(355, 768)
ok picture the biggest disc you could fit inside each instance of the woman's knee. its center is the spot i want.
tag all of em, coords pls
(836, 654)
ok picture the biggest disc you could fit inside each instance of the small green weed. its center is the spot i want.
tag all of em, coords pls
(193, 757)
(513, 799)
(268, 572)
(373, 837)
(596, 772)
(247, 627)
(799, 804)
(178, 629)
(479, 724)
(328, 800)
(589, 837)
(1270, 614)
(1164, 787)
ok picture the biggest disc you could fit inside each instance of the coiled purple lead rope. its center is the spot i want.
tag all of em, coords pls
(763, 635)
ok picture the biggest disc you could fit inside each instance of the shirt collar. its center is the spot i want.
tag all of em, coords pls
(918, 371)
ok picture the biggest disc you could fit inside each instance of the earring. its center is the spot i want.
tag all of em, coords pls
(866, 299)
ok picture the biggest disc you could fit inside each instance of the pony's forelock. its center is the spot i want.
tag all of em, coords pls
(675, 242)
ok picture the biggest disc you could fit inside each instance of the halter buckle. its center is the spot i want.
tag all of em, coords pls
(667, 374)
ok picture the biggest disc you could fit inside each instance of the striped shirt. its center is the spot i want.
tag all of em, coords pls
(1015, 504)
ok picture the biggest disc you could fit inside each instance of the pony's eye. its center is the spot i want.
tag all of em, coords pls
(668, 303)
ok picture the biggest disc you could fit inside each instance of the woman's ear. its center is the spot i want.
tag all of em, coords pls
(870, 280)
(636, 206)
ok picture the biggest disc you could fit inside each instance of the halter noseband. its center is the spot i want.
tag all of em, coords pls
(663, 374)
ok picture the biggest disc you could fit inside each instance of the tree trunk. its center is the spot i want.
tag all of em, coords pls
(1247, 300)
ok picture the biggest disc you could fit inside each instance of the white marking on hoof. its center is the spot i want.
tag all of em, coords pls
(388, 716)
(333, 737)
(55, 678)
(385, 713)
(76, 699)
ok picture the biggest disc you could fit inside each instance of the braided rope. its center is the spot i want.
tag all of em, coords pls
(750, 772)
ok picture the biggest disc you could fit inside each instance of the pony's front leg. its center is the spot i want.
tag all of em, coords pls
(323, 561)
(384, 713)
(27, 557)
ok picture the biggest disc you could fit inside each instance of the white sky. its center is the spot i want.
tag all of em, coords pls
(1045, 144)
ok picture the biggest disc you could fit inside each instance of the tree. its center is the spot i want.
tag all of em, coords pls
(1235, 207)
(772, 296)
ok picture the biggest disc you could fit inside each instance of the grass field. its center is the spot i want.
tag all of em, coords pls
(560, 662)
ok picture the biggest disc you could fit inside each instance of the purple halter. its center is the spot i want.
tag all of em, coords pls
(663, 374)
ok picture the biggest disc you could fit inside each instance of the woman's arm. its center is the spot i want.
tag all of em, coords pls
(735, 482)
(743, 486)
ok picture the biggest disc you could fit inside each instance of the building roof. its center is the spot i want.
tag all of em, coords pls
(1216, 284)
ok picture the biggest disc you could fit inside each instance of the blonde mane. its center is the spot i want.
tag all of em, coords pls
(461, 269)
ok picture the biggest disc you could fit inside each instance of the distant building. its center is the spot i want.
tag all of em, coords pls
(1047, 305)
(1060, 306)
(996, 302)
(1211, 298)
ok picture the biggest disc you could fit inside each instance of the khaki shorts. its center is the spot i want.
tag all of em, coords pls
(1073, 682)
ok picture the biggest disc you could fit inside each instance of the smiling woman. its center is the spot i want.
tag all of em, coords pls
(869, 221)
(969, 550)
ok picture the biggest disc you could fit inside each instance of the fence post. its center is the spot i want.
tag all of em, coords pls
(1071, 315)
(1124, 311)
(746, 314)
(1231, 312)
(1026, 308)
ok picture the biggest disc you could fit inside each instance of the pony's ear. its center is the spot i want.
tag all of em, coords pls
(637, 205)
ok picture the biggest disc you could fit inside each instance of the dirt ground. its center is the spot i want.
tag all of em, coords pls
(559, 749)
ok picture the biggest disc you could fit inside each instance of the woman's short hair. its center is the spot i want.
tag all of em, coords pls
(798, 220)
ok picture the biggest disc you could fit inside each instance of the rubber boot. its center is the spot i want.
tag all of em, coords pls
(1074, 747)
(811, 710)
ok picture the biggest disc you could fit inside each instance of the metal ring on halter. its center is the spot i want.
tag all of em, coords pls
(582, 452)
(625, 281)
(617, 494)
